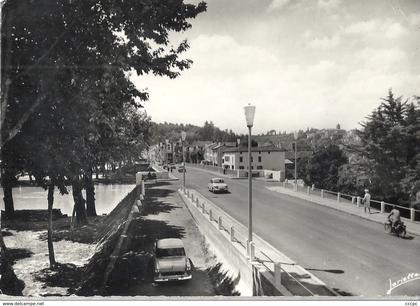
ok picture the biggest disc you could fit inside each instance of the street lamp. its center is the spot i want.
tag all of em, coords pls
(238, 142)
(249, 116)
(296, 135)
(166, 151)
(183, 136)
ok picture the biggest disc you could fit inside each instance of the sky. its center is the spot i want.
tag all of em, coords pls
(302, 63)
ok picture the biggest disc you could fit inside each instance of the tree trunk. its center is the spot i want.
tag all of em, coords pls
(50, 225)
(104, 171)
(79, 204)
(90, 194)
(7, 183)
(97, 172)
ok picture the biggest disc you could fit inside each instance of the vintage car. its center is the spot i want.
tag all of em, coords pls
(170, 261)
(217, 185)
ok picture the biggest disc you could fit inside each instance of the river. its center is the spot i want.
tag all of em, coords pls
(107, 197)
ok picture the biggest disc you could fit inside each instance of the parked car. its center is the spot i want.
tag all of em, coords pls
(182, 169)
(217, 185)
(170, 261)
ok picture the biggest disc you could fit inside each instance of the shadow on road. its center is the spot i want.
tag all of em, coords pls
(301, 285)
(158, 184)
(223, 283)
(342, 292)
(335, 271)
(408, 237)
(153, 205)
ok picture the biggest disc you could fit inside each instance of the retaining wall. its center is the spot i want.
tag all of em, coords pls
(223, 248)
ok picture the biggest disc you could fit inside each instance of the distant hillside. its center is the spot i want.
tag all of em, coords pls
(172, 132)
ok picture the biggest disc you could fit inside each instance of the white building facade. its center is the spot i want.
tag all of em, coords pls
(262, 158)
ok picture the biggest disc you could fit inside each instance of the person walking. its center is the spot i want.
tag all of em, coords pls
(366, 200)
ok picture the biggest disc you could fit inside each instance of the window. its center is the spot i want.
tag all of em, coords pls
(241, 167)
(252, 167)
(170, 252)
(268, 152)
(259, 152)
(233, 167)
(259, 159)
(259, 167)
(227, 158)
(252, 159)
(241, 159)
(217, 180)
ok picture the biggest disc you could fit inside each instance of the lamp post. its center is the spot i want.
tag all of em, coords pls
(296, 135)
(166, 151)
(238, 142)
(183, 136)
(249, 116)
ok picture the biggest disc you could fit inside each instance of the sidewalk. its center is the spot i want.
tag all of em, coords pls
(217, 174)
(376, 216)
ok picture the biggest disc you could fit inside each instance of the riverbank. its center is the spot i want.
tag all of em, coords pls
(83, 255)
(26, 240)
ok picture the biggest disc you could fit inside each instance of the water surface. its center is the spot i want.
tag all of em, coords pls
(107, 197)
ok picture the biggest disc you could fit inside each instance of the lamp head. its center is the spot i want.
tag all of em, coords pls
(249, 115)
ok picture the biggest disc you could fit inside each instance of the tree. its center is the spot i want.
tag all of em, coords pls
(323, 167)
(65, 69)
(389, 145)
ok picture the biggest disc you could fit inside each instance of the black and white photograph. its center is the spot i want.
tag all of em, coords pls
(210, 150)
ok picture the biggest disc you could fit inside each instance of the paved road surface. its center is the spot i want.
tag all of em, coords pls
(350, 254)
(167, 217)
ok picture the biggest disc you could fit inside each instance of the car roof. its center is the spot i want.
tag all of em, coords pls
(217, 178)
(169, 243)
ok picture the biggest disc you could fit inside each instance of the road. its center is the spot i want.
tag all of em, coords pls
(350, 254)
(166, 216)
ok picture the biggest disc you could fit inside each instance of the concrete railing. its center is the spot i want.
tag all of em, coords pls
(381, 206)
(283, 280)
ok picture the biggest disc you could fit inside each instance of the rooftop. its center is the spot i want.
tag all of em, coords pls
(169, 243)
(254, 149)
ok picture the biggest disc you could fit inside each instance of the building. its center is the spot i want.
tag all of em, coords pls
(213, 153)
(163, 152)
(268, 158)
(209, 155)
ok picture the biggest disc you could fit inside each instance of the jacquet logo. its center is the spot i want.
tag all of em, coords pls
(409, 278)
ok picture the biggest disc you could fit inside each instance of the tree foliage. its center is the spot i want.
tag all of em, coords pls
(208, 132)
(323, 167)
(67, 101)
(390, 149)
